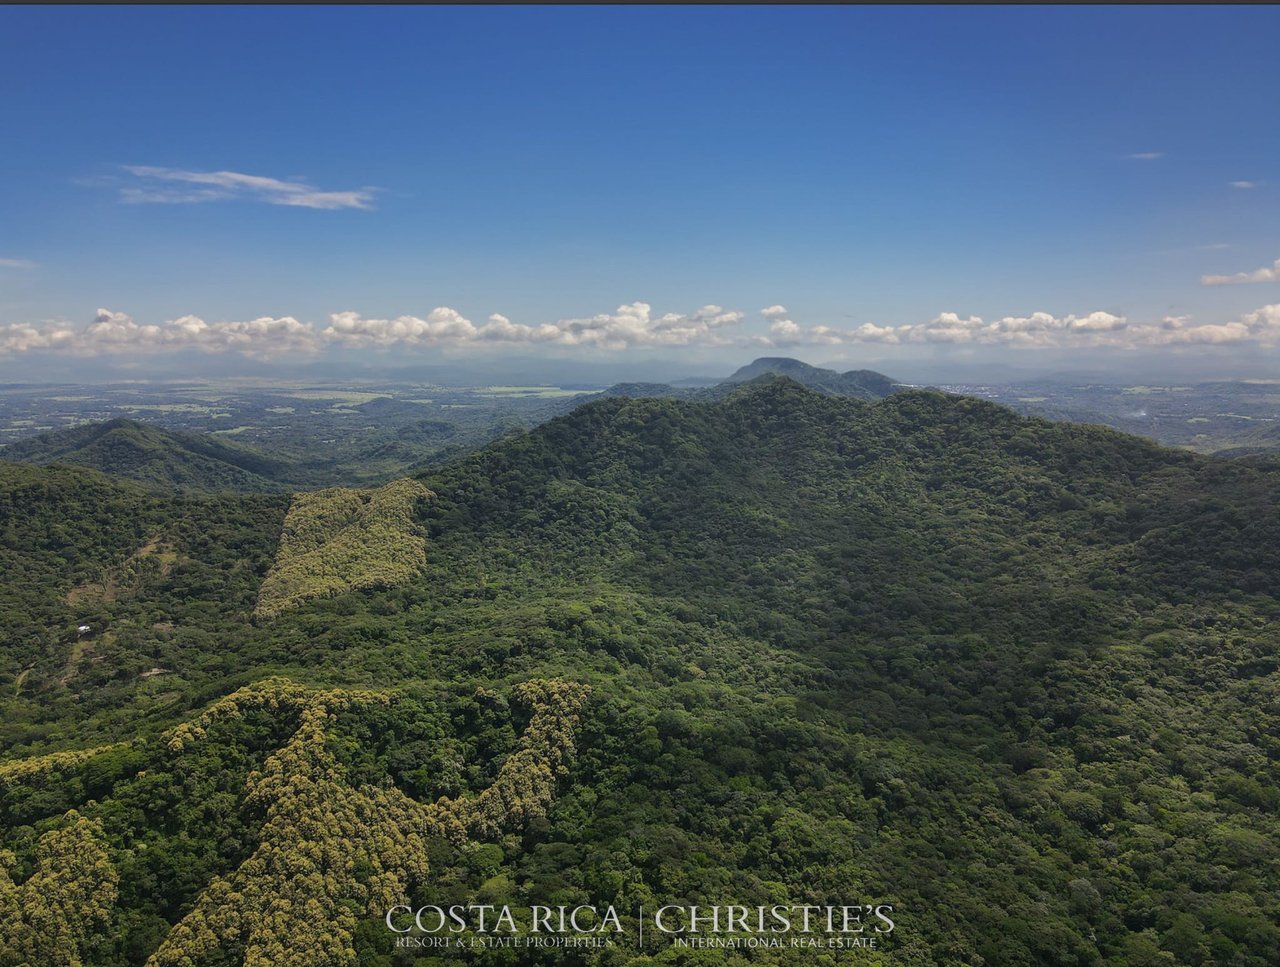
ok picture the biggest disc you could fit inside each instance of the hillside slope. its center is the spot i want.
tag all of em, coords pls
(1264, 441)
(1019, 679)
(155, 457)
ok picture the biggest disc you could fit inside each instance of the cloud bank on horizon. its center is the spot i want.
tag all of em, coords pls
(1040, 330)
(631, 326)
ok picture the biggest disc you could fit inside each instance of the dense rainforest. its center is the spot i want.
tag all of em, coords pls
(1018, 679)
(162, 459)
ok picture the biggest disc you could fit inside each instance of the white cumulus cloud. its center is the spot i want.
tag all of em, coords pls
(440, 326)
(785, 331)
(117, 332)
(629, 326)
(635, 325)
(21, 337)
(782, 328)
(1266, 274)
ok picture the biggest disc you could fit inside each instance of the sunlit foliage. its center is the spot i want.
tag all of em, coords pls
(340, 540)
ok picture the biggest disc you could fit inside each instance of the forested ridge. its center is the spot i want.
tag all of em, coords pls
(1017, 678)
(157, 458)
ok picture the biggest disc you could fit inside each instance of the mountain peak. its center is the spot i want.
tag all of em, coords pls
(782, 365)
(861, 383)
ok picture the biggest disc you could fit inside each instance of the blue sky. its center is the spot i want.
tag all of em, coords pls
(833, 183)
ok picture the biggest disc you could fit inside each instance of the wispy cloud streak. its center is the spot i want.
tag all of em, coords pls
(175, 186)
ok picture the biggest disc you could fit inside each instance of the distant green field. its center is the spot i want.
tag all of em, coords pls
(547, 392)
(1148, 390)
(174, 408)
(345, 396)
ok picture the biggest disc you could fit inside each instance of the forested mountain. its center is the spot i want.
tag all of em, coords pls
(863, 384)
(640, 390)
(1019, 679)
(156, 457)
